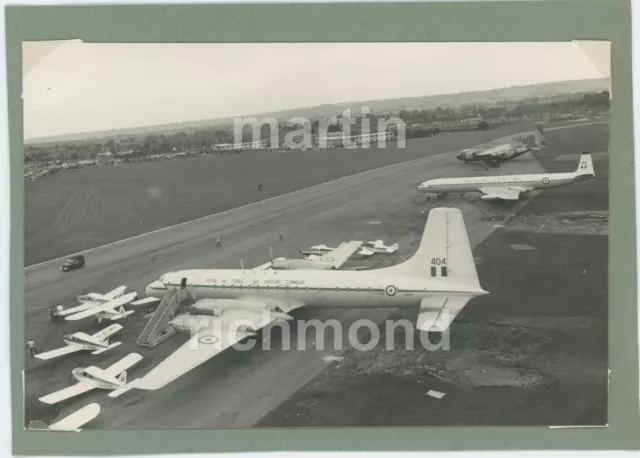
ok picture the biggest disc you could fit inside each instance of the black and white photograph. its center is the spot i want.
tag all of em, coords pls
(264, 235)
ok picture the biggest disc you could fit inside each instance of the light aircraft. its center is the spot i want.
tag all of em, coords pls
(330, 260)
(96, 343)
(378, 246)
(440, 278)
(71, 422)
(493, 153)
(89, 300)
(112, 378)
(112, 310)
(316, 250)
(509, 187)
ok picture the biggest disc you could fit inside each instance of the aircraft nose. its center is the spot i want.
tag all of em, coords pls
(423, 187)
(155, 289)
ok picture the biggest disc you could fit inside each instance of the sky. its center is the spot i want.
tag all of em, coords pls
(83, 87)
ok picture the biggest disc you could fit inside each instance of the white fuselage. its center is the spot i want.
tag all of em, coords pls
(84, 344)
(353, 289)
(81, 375)
(473, 184)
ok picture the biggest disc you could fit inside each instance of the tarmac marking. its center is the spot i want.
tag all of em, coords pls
(89, 250)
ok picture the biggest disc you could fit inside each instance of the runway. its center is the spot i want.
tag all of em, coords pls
(237, 389)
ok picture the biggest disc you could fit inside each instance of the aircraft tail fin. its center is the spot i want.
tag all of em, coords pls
(444, 252)
(585, 166)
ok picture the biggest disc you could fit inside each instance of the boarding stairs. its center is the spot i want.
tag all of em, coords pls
(159, 328)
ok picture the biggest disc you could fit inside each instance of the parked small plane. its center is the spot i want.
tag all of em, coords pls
(509, 187)
(440, 278)
(71, 422)
(330, 260)
(493, 153)
(112, 378)
(316, 250)
(377, 246)
(111, 310)
(96, 343)
(88, 300)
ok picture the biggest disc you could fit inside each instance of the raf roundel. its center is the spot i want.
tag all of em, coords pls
(391, 290)
(545, 180)
(208, 340)
(327, 259)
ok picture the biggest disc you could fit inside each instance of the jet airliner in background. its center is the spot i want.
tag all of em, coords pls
(509, 187)
(440, 278)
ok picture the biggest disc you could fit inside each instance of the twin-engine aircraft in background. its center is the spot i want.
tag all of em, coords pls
(440, 278)
(112, 378)
(331, 260)
(509, 187)
(71, 422)
(79, 341)
(505, 149)
(377, 246)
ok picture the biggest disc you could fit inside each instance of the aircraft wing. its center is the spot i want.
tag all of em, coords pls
(437, 313)
(58, 352)
(500, 193)
(106, 307)
(77, 419)
(122, 365)
(366, 252)
(114, 294)
(339, 256)
(66, 393)
(202, 346)
(145, 301)
(106, 332)
(78, 308)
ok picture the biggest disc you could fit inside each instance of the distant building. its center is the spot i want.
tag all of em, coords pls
(245, 146)
(333, 139)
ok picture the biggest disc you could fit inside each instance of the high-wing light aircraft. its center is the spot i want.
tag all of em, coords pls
(112, 378)
(440, 278)
(509, 187)
(328, 261)
(377, 246)
(110, 310)
(96, 343)
(71, 422)
(493, 153)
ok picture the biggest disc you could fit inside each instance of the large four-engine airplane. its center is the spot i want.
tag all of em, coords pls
(509, 187)
(112, 378)
(71, 422)
(440, 278)
(493, 153)
(96, 343)
(377, 246)
(328, 261)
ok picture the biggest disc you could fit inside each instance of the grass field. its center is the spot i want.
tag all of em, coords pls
(74, 210)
